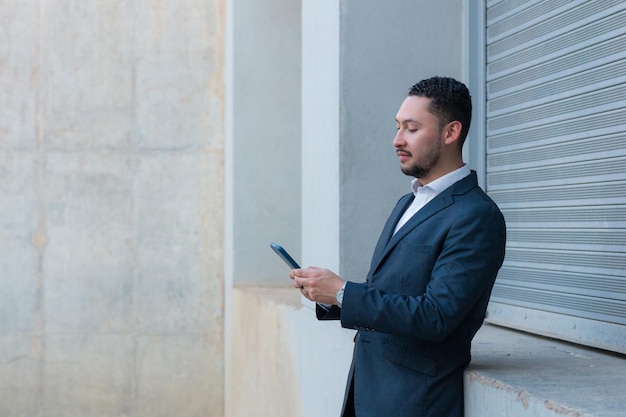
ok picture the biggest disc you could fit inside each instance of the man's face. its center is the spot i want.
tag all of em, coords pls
(418, 142)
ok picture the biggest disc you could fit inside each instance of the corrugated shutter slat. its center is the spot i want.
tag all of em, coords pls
(556, 154)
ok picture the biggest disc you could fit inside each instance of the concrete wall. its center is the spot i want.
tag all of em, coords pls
(263, 146)
(111, 208)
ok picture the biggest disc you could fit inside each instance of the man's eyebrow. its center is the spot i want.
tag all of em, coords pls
(407, 121)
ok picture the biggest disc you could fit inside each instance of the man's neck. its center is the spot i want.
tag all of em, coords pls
(440, 171)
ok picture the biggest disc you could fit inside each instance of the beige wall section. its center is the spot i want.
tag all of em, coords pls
(111, 208)
(264, 372)
(282, 361)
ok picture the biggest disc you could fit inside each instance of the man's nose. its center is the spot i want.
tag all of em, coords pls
(398, 140)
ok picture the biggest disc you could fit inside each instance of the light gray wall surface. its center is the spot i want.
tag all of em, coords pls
(320, 134)
(264, 139)
(111, 208)
(385, 49)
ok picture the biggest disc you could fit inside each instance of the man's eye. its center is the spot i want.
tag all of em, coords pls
(412, 130)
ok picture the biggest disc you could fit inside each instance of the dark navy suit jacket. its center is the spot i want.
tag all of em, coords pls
(424, 299)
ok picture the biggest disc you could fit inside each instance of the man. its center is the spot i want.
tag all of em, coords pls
(431, 274)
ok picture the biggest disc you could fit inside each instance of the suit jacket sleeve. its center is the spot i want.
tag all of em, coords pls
(469, 250)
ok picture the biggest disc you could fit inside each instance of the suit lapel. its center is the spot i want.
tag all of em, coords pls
(387, 242)
(434, 206)
(393, 219)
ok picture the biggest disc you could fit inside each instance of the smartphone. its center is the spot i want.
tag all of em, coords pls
(280, 251)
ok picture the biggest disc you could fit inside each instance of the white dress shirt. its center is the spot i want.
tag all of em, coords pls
(425, 193)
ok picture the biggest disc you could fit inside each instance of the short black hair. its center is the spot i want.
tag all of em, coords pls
(450, 101)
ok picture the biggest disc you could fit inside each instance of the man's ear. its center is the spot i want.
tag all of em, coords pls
(452, 132)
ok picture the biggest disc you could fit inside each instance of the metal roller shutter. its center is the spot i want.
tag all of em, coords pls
(556, 165)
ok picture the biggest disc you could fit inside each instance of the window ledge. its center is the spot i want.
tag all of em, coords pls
(517, 374)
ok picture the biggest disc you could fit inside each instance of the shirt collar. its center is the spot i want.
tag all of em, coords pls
(443, 182)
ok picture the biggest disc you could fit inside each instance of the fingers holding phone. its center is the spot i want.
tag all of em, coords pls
(316, 284)
(321, 285)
